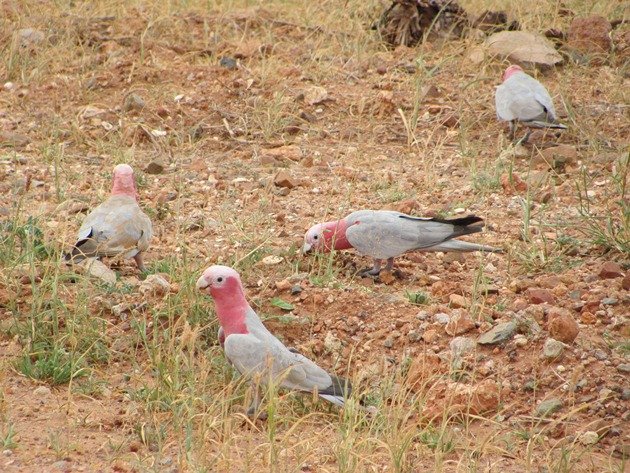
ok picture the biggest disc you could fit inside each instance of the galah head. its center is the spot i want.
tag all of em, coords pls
(124, 182)
(326, 236)
(220, 281)
(510, 71)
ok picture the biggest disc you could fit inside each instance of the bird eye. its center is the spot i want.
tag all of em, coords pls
(315, 237)
(219, 279)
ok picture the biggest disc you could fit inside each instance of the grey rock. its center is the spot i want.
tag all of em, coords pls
(625, 394)
(526, 49)
(414, 336)
(30, 37)
(154, 167)
(228, 63)
(389, 342)
(600, 355)
(133, 102)
(609, 301)
(498, 334)
(441, 318)
(295, 290)
(553, 349)
(42, 391)
(549, 406)
(624, 367)
(461, 345)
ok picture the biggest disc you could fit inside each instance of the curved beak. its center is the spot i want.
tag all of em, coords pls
(202, 283)
(306, 248)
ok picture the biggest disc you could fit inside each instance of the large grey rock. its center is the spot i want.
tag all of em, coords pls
(553, 349)
(549, 406)
(498, 334)
(526, 49)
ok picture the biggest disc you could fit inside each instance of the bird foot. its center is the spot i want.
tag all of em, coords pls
(251, 413)
(370, 272)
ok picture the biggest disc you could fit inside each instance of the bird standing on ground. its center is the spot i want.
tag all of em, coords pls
(255, 352)
(385, 234)
(117, 227)
(521, 98)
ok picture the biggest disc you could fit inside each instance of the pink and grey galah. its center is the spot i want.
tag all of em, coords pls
(255, 352)
(521, 98)
(117, 227)
(385, 234)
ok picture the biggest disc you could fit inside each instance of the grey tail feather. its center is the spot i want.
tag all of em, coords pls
(336, 400)
(544, 124)
(340, 387)
(464, 246)
(76, 254)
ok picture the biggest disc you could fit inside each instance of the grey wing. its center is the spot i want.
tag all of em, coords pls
(250, 356)
(544, 99)
(301, 373)
(246, 353)
(389, 234)
(502, 99)
(113, 230)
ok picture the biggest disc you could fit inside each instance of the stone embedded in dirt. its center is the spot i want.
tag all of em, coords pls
(15, 140)
(459, 323)
(155, 285)
(549, 406)
(228, 63)
(526, 49)
(331, 343)
(492, 21)
(289, 152)
(461, 345)
(430, 336)
(452, 398)
(611, 270)
(512, 183)
(284, 179)
(315, 95)
(476, 56)
(498, 334)
(387, 277)
(42, 391)
(590, 36)
(625, 284)
(520, 340)
(558, 156)
(540, 296)
(561, 325)
(552, 349)
(97, 269)
(272, 260)
(296, 289)
(453, 256)
(441, 318)
(588, 438)
(283, 285)
(457, 301)
(133, 103)
(622, 451)
(28, 37)
(154, 168)
(388, 342)
(624, 367)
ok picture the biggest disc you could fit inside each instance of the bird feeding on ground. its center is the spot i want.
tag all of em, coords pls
(522, 99)
(116, 228)
(386, 234)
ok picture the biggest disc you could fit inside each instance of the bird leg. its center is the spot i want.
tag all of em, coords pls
(139, 262)
(526, 137)
(375, 271)
(253, 407)
(512, 130)
(390, 264)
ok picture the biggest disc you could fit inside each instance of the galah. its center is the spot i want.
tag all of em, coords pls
(255, 352)
(521, 98)
(117, 227)
(385, 234)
